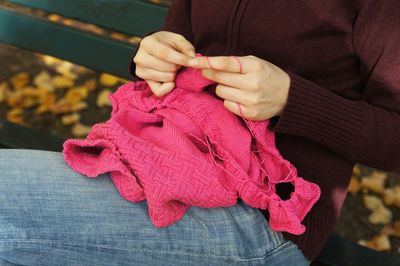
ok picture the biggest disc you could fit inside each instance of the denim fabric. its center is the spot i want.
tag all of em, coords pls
(51, 215)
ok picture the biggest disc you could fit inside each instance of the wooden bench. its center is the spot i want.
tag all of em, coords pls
(99, 52)
(105, 54)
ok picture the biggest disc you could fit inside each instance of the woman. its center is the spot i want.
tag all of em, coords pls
(325, 72)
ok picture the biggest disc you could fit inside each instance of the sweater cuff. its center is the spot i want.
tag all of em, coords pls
(319, 115)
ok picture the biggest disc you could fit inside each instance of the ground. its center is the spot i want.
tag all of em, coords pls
(353, 224)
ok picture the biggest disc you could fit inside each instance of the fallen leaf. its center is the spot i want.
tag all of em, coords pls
(43, 80)
(380, 214)
(65, 69)
(17, 119)
(38, 12)
(54, 17)
(93, 28)
(4, 91)
(15, 112)
(82, 70)
(68, 22)
(354, 186)
(90, 84)
(396, 229)
(118, 36)
(362, 242)
(67, 120)
(380, 243)
(364, 190)
(386, 230)
(108, 80)
(390, 230)
(76, 94)
(62, 82)
(391, 196)
(16, 116)
(20, 80)
(134, 40)
(41, 110)
(80, 130)
(356, 170)
(124, 80)
(25, 98)
(46, 103)
(50, 60)
(14, 99)
(102, 98)
(372, 202)
(79, 106)
(63, 106)
(374, 182)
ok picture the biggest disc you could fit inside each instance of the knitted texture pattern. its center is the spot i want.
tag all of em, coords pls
(186, 149)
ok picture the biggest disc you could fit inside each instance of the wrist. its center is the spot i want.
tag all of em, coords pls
(284, 88)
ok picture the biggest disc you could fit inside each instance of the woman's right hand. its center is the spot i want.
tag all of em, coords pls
(159, 57)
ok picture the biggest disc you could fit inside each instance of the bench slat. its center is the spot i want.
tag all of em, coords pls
(94, 51)
(134, 17)
(338, 251)
(20, 137)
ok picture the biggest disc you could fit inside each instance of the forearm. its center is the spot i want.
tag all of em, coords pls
(359, 131)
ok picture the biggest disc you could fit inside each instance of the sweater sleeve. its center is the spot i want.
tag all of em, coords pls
(367, 130)
(177, 21)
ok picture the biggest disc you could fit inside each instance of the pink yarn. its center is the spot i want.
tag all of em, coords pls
(209, 63)
(240, 63)
(185, 149)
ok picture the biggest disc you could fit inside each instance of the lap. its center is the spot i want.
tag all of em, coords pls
(51, 215)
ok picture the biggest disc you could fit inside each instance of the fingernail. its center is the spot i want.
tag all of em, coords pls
(193, 62)
(192, 53)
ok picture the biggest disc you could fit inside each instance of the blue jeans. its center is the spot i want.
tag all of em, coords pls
(51, 215)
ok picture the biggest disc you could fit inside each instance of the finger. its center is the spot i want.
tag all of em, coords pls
(145, 60)
(222, 63)
(165, 52)
(226, 78)
(160, 89)
(245, 111)
(151, 74)
(234, 94)
(234, 107)
(180, 44)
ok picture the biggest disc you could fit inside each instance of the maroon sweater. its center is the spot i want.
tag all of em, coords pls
(343, 58)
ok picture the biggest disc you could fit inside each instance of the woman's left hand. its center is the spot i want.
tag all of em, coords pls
(260, 87)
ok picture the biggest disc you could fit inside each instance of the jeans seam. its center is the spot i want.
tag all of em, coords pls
(233, 257)
(268, 253)
(275, 250)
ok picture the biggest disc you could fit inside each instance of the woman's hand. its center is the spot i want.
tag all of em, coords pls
(159, 56)
(261, 88)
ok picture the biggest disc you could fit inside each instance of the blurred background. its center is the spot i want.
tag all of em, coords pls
(64, 100)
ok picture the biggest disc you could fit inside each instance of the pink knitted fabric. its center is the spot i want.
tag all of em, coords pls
(185, 149)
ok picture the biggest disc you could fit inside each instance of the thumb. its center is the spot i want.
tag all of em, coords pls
(181, 44)
(160, 89)
(190, 52)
